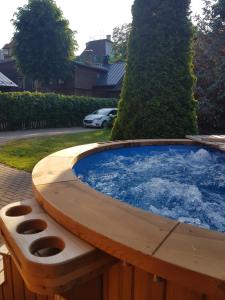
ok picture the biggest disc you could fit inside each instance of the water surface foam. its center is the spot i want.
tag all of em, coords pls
(185, 183)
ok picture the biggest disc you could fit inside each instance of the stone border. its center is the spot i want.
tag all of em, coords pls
(153, 243)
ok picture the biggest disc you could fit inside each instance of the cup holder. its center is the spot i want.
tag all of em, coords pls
(31, 226)
(47, 246)
(19, 210)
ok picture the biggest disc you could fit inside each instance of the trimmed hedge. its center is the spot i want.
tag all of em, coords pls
(25, 110)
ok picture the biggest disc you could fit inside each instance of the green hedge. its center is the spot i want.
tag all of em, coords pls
(25, 110)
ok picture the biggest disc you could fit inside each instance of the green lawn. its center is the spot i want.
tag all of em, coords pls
(24, 154)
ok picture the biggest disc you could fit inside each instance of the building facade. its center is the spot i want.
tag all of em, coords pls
(92, 74)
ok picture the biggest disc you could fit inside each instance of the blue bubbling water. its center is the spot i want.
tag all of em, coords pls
(184, 183)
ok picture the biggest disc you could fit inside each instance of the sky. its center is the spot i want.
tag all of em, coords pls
(91, 19)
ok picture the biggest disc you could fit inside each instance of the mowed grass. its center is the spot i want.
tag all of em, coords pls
(24, 154)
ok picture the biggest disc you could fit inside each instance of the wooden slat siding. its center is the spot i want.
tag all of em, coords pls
(56, 297)
(111, 283)
(123, 282)
(8, 284)
(158, 289)
(18, 284)
(91, 290)
(13, 288)
(1, 293)
(126, 281)
(28, 294)
(142, 285)
(146, 288)
(118, 282)
(41, 297)
(176, 292)
(212, 298)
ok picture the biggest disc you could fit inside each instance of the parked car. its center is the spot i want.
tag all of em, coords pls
(100, 118)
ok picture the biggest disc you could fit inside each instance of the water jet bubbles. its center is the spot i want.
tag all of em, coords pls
(185, 183)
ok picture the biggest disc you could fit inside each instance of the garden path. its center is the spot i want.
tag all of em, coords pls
(15, 185)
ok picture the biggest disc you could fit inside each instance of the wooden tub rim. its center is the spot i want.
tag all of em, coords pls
(159, 250)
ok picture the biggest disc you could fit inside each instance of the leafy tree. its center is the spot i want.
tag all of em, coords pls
(204, 67)
(217, 88)
(120, 41)
(157, 98)
(210, 67)
(43, 42)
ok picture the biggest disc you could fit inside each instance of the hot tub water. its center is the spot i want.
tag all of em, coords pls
(184, 183)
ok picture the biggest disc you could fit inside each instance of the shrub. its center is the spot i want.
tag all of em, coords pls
(25, 110)
(157, 97)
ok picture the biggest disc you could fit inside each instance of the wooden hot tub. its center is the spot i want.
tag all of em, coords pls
(181, 259)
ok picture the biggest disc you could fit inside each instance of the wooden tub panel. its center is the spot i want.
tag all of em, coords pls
(176, 292)
(146, 286)
(14, 288)
(124, 282)
(119, 282)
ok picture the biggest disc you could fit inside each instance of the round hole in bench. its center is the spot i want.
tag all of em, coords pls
(47, 246)
(19, 210)
(31, 226)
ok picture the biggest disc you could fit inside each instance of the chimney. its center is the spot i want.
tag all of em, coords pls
(87, 57)
(108, 37)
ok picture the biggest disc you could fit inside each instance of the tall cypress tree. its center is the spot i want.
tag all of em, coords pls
(157, 97)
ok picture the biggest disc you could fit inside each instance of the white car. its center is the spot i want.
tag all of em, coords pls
(100, 118)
